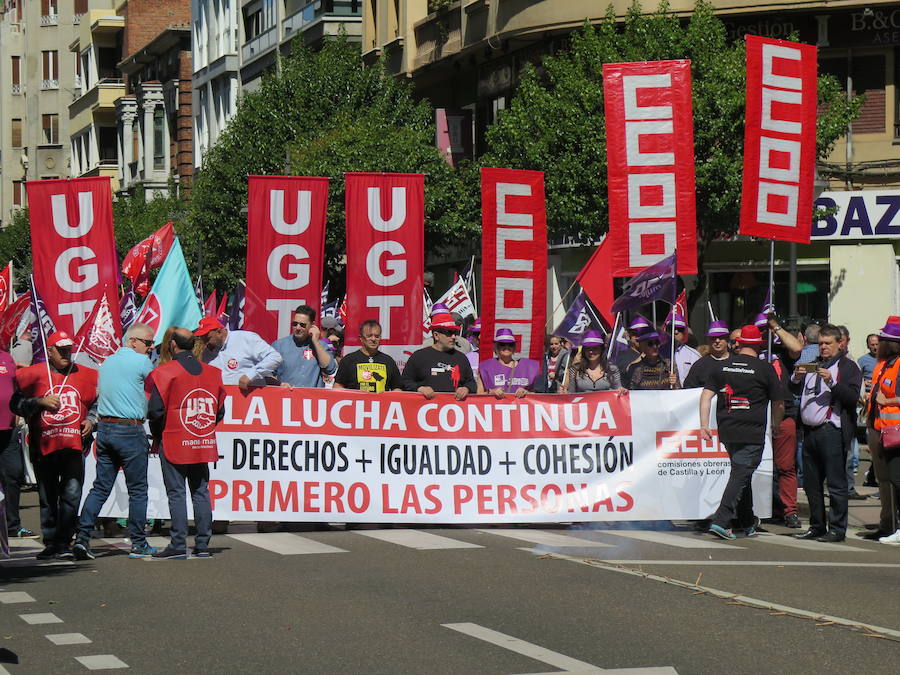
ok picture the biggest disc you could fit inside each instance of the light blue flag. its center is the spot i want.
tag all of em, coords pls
(171, 301)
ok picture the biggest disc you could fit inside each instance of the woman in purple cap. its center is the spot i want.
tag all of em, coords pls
(507, 375)
(592, 372)
(701, 372)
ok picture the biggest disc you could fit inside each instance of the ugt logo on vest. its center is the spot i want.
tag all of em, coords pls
(69, 407)
(198, 413)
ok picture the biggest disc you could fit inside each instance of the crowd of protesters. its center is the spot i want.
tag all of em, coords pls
(815, 388)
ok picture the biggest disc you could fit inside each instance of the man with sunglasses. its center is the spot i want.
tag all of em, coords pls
(651, 371)
(121, 441)
(304, 356)
(440, 367)
(243, 356)
(702, 371)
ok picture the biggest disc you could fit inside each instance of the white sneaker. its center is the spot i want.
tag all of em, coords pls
(891, 539)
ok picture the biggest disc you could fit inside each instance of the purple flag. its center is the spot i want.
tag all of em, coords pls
(127, 310)
(236, 316)
(325, 292)
(43, 323)
(657, 282)
(768, 306)
(580, 318)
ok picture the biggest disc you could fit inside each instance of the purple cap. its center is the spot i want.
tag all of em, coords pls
(677, 321)
(476, 327)
(761, 321)
(890, 332)
(439, 308)
(593, 338)
(638, 324)
(649, 335)
(718, 329)
(504, 335)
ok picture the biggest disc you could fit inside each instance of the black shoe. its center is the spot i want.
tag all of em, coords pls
(857, 496)
(169, 553)
(809, 534)
(48, 553)
(82, 551)
(875, 535)
(201, 553)
(65, 554)
(792, 520)
(830, 537)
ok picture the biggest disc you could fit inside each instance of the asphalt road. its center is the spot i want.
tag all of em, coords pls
(461, 600)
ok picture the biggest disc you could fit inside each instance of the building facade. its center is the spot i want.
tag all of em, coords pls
(466, 56)
(38, 76)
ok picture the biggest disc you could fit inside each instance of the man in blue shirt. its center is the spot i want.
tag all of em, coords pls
(121, 441)
(867, 361)
(304, 356)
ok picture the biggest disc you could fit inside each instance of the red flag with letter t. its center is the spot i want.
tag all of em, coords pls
(779, 140)
(514, 259)
(385, 254)
(285, 250)
(73, 249)
(650, 164)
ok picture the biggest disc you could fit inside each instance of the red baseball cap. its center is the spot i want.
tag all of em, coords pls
(60, 339)
(207, 324)
(750, 335)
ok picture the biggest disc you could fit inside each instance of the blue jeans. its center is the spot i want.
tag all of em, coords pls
(119, 446)
(197, 477)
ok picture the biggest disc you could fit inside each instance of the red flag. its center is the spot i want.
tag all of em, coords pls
(596, 279)
(779, 140)
(6, 295)
(73, 249)
(101, 334)
(9, 319)
(222, 312)
(385, 257)
(650, 162)
(514, 259)
(342, 311)
(209, 307)
(147, 255)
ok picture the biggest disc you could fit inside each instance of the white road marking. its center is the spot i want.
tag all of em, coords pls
(120, 544)
(807, 544)
(551, 539)
(617, 566)
(68, 639)
(25, 543)
(746, 563)
(286, 543)
(565, 663)
(101, 662)
(421, 541)
(16, 597)
(35, 619)
(158, 542)
(669, 539)
(3, 671)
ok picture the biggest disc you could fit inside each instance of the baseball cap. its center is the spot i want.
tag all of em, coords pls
(60, 339)
(207, 324)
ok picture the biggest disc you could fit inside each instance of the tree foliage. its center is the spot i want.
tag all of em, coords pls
(555, 122)
(323, 114)
(136, 217)
(15, 245)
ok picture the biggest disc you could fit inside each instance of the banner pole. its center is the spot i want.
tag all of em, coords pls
(72, 361)
(472, 284)
(612, 336)
(712, 314)
(558, 305)
(674, 302)
(40, 324)
(771, 291)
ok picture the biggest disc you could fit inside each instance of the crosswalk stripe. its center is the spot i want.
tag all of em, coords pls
(285, 543)
(421, 541)
(809, 544)
(669, 539)
(543, 538)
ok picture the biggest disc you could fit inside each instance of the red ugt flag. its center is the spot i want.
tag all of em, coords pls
(146, 255)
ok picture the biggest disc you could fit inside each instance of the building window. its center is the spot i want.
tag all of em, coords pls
(50, 127)
(159, 156)
(867, 75)
(50, 69)
(109, 142)
(16, 128)
(49, 12)
(18, 192)
(16, 64)
(81, 7)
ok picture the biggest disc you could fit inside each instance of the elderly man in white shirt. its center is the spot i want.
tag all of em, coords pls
(243, 356)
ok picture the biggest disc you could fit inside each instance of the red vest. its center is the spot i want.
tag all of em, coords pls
(191, 402)
(61, 429)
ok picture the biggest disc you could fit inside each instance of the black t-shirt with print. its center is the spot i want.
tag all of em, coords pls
(744, 385)
(375, 373)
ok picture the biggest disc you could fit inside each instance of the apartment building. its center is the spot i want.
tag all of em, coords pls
(38, 77)
(466, 57)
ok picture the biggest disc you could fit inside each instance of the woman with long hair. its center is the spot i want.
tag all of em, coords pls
(592, 372)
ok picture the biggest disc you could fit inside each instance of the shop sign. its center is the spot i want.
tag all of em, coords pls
(865, 214)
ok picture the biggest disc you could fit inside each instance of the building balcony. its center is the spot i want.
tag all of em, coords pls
(259, 45)
(106, 168)
(76, 19)
(49, 84)
(312, 13)
(18, 89)
(50, 20)
(98, 102)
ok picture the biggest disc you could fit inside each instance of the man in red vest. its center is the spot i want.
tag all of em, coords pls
(186, 403)
(58, 421)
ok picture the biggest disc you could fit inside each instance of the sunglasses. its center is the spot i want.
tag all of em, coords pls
(298, 323)
(652, 343)
(445, 331)
(147, 343)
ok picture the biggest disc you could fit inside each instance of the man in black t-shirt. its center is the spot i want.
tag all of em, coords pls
(702, 371)
(440, 367)
(368, 369)
(745, 385)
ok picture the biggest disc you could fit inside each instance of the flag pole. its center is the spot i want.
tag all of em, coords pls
(771, 291)
(40, 324)
(612, 336)
(712, 314)
(472, 283)
(72, 360)
(674, 302)
(558, 305)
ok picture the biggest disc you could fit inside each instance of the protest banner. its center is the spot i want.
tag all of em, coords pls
(286, 229)
(779, 140)
(73, 250)
(650, 160)
(514, 260)
(342, 456)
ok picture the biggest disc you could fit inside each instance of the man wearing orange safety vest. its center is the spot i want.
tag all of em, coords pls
(882, 411)
(186, 403)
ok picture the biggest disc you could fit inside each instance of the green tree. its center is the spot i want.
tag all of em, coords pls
(136, 218)
(323, 114)
(555, 122)
(15, 245)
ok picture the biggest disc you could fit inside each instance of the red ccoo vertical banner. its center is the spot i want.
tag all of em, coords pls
(514, 259)
(779, 140)
(650, 160)
(73, 250)
(385, 255)
(285, 250)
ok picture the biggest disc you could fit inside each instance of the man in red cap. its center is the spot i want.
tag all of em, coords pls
(440, 367)
(58, 421)
(745, 385)
(243, 356)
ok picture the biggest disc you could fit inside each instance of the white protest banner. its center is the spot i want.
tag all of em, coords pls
(343, 456)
